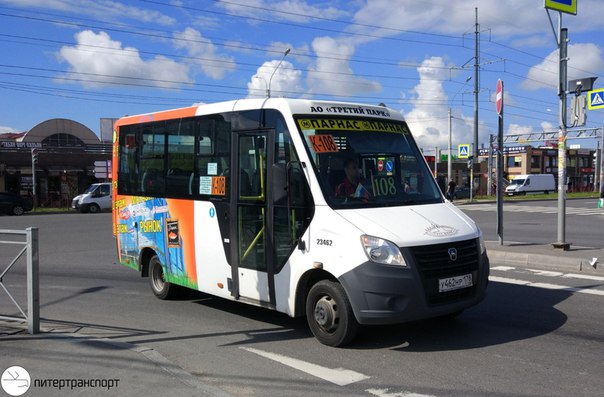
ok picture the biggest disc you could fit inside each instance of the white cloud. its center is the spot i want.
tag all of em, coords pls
(428, 119)
(285, 80)
(110, 63)
(585, 60)
(299, 54)
(106, 9)
(547, 126)
(203, 50)
(7, 130)
(331, 72)
(520, 129)
(503, 18)
(288, 10)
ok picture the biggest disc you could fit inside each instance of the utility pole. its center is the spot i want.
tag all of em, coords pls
(34, 160)
(602, 163)
(561, 36)
(476, 82)
(562, 88)
(474, 152)
(449, 160)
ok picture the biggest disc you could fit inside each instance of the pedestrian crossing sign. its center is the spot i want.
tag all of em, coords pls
(463, 150)
(595, 99)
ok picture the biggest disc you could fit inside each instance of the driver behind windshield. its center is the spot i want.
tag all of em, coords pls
(352, 185)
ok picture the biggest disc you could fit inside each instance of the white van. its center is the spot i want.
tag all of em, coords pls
(534, 183)
(96, 198)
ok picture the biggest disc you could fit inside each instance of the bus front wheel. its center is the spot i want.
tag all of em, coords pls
(160, 287)
(330, 315)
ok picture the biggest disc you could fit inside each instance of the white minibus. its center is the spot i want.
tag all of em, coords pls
(312, 208)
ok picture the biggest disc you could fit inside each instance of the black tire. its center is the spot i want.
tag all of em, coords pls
(160, 287)
(94, 208)
(330, 315)
(17, 210)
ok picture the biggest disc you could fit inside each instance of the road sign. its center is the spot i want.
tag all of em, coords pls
(567, 6)
(499, 97)
(595, 99)
(463, 150)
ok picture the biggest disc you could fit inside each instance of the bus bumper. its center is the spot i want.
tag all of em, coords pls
(381, 294)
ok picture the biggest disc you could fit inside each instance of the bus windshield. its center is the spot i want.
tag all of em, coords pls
(364, 162)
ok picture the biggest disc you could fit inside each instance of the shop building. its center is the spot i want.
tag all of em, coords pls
(581, 171)
(68, 157)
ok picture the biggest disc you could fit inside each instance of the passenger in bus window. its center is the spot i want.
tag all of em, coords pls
(352, 185)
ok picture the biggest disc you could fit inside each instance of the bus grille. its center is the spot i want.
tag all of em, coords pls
(434, 263)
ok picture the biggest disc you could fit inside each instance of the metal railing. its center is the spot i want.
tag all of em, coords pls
(30, 249)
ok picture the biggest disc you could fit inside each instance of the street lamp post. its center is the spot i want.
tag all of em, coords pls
(268, 91)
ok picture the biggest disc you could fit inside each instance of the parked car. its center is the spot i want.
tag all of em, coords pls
(13, 204)
(96, 198)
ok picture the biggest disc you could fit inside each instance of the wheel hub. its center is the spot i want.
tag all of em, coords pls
(158, 278)
(326, 314)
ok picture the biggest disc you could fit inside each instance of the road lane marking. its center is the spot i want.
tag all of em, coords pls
(546, 286)
(584, 277)
(503, 268)
(550, 273)
(531, 208)
(338, 376)
(386, 393)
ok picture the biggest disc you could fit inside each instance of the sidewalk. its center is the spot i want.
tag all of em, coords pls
(62, 362)
(545, 256)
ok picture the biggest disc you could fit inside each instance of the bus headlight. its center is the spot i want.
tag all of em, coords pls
(382, 251)
(483, 246)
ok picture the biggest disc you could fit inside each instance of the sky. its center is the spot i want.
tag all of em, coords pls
(90, 59)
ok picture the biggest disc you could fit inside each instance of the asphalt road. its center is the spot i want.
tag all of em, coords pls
(521, 341)
(537, 221)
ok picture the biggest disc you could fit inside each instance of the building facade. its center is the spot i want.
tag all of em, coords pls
(68, 157)
(582, 172)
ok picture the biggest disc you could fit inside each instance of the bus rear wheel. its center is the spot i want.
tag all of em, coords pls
(330, 315)
(160, 287)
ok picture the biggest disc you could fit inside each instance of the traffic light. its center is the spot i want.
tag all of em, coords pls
(470, 161)
(34, 155)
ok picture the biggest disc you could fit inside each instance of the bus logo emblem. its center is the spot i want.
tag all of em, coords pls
(452, 254)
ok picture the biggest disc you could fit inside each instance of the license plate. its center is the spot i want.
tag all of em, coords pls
(453, 283)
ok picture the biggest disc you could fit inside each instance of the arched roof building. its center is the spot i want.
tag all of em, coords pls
(58, 132)
(66, 153)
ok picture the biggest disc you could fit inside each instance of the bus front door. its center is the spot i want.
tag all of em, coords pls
(251, 225)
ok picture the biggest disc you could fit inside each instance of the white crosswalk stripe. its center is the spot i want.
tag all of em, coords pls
(534, 208)
(592, 289)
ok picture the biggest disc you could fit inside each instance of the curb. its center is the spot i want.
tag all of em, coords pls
(543, 261)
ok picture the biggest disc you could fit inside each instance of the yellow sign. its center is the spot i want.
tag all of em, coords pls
(595, 99)
(352, 125)
(463, 151)
(567, 6)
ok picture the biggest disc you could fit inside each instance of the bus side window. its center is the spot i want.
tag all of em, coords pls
(152, 154)
(213, 155)
(181, 149)
(128, 171)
